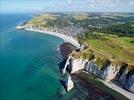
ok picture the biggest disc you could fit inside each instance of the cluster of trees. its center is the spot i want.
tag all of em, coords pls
(126, 29)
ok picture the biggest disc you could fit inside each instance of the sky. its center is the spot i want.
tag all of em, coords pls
(24, 6)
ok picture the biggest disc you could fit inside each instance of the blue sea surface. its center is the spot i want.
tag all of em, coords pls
(28, 62)
(29, 67)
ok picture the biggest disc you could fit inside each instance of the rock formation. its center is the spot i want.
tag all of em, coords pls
(69, 83)
(108, 70)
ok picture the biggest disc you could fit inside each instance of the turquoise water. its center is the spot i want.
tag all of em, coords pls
(28, 62)
(29, 67)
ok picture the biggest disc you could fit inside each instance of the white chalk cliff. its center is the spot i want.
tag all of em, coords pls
(77, 62)
(110, 70)
(69, 83)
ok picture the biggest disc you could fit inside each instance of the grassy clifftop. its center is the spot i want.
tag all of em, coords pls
(111, 46)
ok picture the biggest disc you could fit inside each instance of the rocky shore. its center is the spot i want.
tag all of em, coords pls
(106, 70)
(95, 89)
(80, 77)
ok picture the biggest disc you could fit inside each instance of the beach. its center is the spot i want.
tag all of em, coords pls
(62, 36)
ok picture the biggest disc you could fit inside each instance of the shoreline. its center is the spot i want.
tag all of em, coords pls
(74, 42)
(118, 89)
(62, 36)
(115, 87)
(88, 78)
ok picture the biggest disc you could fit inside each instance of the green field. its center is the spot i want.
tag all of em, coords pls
(111, 46)
(41, 19)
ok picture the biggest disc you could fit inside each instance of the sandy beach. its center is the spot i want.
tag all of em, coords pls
(62, 36)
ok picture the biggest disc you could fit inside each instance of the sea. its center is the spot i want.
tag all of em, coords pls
(29, 61)
(29, 65)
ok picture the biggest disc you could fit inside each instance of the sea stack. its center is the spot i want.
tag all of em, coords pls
(69, 83)
(67, 63)
(19, 27)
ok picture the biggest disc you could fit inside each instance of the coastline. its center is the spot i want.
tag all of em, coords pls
(96, 84)
(62, 36)
(74, 42)
(118, 89)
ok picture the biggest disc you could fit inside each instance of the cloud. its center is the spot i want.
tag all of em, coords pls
(117, 1)
(69, 1)
(111, 5)
(39, 8)
(92, 5)
(131, 3)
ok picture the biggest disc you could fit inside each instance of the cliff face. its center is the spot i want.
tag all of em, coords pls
(108, 70)
(77, 62)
